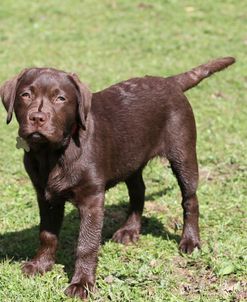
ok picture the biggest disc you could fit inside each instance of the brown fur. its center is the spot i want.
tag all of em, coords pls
(82, 144)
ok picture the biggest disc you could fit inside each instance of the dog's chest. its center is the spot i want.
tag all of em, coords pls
(60, 182)
(53, 179)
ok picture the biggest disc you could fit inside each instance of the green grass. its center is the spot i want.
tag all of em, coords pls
(105, 42)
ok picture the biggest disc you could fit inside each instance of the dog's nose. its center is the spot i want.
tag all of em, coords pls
(38, 118)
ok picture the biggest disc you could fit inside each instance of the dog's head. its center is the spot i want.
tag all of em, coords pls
(49, 104)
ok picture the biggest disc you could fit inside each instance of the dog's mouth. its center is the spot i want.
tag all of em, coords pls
(36, 138)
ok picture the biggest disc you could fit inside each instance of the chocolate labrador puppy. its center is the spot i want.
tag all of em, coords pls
(78, 144)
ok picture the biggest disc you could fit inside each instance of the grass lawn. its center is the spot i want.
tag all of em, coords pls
(105, 42)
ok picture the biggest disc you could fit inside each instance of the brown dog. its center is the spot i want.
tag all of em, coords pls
(79, 144)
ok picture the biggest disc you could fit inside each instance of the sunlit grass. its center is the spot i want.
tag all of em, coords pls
(105, 42)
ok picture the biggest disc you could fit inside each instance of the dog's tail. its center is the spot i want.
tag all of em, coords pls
(193, 77)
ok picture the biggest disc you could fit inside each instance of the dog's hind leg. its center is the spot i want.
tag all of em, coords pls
(129, 232)
(184, 165)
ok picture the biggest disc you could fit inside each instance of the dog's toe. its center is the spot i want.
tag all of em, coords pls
(30, 268)
(78, 290)
(188, 245)
(34, 267)
(126, 236)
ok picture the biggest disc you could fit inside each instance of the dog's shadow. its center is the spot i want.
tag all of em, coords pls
(21, 245)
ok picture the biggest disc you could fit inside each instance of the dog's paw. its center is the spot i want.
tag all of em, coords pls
(126, 236)
(33, 267)
(187, 245)
(80, 290)
(30, 268)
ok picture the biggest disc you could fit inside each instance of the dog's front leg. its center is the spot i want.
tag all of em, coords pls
(91, 214)
(51, 217)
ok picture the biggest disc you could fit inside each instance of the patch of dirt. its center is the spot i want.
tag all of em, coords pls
(220, 172)
(241, 296)
(155, 207)
(206, 174)
(194, 283)
(23, 181)
(145, 6)
(197, 279)
(236, 288)
(219, 95)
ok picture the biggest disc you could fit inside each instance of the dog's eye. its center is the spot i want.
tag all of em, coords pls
(60, 98)
(26, 95)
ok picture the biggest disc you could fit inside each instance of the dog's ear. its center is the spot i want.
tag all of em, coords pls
(84, 99)
(8, 94)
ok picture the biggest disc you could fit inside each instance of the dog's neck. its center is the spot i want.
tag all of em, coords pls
(50, 163)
